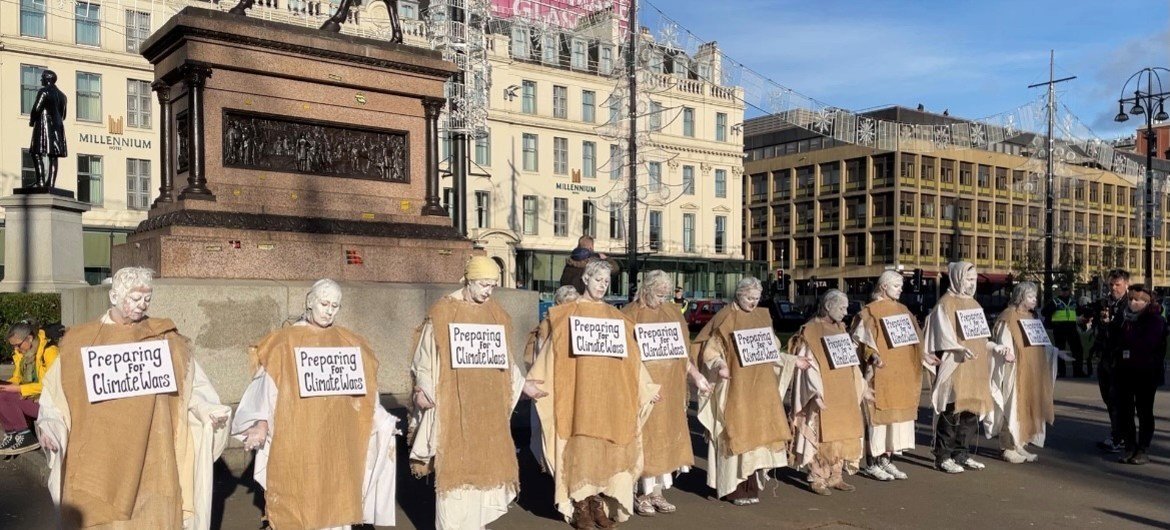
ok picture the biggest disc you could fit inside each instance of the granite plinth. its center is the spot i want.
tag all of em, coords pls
(42, 243)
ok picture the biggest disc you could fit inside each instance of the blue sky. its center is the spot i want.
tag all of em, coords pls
(975, 58)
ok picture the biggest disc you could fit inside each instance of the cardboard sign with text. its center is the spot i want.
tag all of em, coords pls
(660, 341)
(756, 346)
(478, 346)
(330, 371)
(127, 370)
(900, 330)
(841, 350)
(598, 337)
(1034, 332)
(973, 324)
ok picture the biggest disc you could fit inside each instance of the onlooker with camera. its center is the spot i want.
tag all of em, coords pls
(1138, 372)
(1106, 322)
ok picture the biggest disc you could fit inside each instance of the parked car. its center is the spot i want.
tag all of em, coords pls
(699, 312)
(786, 316)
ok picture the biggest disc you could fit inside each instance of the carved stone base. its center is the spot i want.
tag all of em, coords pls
(42, 243)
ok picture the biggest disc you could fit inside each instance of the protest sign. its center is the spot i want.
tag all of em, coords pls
(478, 346)
(330, 371)
(756, 346)
(973, 324)
(1034, 332)
(598, 337)
(841, 350)
(900, 330)
(118, 371)
(660, 341)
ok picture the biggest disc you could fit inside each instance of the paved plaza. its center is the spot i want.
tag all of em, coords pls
(1071, 486)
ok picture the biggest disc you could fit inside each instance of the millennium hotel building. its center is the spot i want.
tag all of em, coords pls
(836, 215)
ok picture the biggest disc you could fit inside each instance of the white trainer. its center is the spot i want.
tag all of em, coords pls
(971, 463)
(1013, 456)
(893, 470)
(1030, 456)
(950, 466)
(876, 472)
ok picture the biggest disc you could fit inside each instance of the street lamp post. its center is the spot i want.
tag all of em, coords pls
(1144, 103)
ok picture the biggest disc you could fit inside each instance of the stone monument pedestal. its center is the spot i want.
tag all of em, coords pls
(290, 153)
(42, 242)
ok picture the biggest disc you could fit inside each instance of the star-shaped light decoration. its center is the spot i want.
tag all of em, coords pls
(668, 36)
(906, 131)
(823, 120)
(942, 135)
(978, 135)
(866, 131)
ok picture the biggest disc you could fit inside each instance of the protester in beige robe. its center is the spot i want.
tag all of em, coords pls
(461, 420)
(134, 462)
(591, 409)
(747, 429)
(894, 374)
(666, 440)
(827, 400)
(962, 394)
(536, 339)
(350, 436)
(1025, 377)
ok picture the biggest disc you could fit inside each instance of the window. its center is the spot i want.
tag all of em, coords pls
(528, 97)
(560, 102)
(137, 104)
(615, 162)
(137, 29)
(32, 18)
(89, 97)
(589, 218)
(655, 230)
(615, 110)
(616, 222)
(409, 10)
(30, 82)
(588, 106)
(549, 54)
(529, 148)
(530, 214)
(137, 184)
(560, 156)
(655, 175)
(720, 234)
(720, 127)
(589, 160)
(449, 201)
(688, 232)
(688, 180)
(560, 217)
(520, 43)
(605, 63)
(88, 30)
(721, 183)
(655, 117)
(483, 149)
(580, 54)
(688, 122)
(28, 175)
(906, 207)
(483, 209)
(89, 179)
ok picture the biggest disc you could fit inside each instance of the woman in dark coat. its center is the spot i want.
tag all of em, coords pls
(1139, 372)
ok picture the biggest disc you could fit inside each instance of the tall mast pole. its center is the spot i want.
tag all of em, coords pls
(632, 149)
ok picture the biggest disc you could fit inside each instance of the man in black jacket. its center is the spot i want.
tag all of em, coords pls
(581, 256)
(1106, 318)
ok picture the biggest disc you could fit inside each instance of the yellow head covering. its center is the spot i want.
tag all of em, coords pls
(481, 268)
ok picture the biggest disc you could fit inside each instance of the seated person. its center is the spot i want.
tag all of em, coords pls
(32, 354)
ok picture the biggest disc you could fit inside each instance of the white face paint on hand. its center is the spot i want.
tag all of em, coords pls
(748, 300)
(597, 286)
(893, 290)
(323, 311)
(133, 307)
(479, 291)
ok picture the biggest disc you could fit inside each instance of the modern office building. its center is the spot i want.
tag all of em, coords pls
(838, 215)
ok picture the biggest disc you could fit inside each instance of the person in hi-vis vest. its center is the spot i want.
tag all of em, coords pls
(1063, 314)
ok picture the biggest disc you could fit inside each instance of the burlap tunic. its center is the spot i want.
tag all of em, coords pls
(971, 380)
(831, 433)
(666, 440)
(1028, 389)
(317, 459)
(897, 385)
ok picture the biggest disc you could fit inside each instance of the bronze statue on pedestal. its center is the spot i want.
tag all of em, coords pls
(47, 119)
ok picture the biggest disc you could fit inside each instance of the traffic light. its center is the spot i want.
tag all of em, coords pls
(779, 274)
(917, 280)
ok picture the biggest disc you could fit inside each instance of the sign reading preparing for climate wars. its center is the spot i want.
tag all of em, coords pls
(478, 346)
(900, 330)
(841, 350)
(660, 341)
(756, 346)
(330, 371)
(973, 324)
(1034, 332)
(126, 370)
(598, 337)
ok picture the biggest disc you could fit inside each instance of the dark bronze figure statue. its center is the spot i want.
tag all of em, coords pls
(47, 119)
(334, 23)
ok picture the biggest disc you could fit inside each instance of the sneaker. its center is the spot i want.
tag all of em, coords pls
(644, 507)
(1109, 446)
(742, 502)
(9, 439)
(1139, 457)
(660, 504)
(23, 442)
(970, 463)
(876, 472)
(1013, 456)
(889, 467)
(1030, 456)
(949, 466)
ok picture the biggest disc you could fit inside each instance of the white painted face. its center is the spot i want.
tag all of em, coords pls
(970, 279)
(748, 300)
(133, 306)
(658, 296)
(1029, 301)
(479, 291)
(893, 290)
(324, 309)
(597, 286)
(837, 310)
